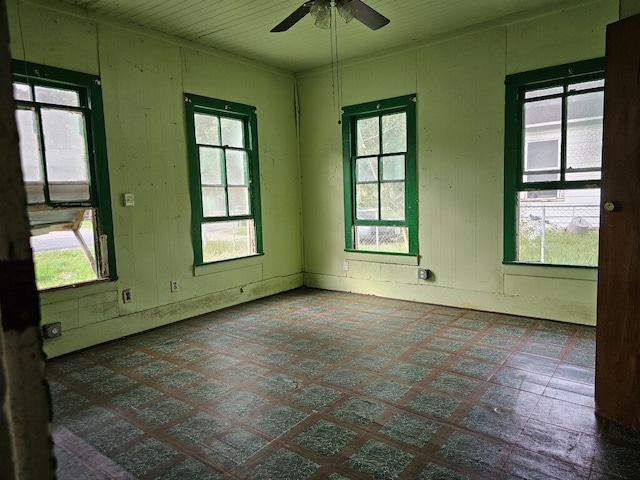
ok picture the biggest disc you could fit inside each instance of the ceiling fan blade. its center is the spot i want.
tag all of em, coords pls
(369, 16)
(294, 18)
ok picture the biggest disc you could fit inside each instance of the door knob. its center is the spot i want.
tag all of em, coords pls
(609, 206)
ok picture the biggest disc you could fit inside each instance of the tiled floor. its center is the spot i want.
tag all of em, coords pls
(317, 384)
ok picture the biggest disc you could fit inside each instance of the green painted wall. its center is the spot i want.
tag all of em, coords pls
(459, 81)
(143, 77)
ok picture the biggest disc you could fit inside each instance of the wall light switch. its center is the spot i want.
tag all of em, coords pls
(127, 199)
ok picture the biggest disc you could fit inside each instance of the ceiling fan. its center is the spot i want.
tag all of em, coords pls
(320, 10)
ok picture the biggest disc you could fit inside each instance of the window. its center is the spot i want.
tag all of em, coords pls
(553, 159)
(379, 148)
(225, 186)
(64, 166)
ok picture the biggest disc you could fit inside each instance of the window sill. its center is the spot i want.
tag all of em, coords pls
(227, 265)
(573, 272)
(382, 257)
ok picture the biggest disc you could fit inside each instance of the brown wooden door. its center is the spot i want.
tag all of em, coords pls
(618, 330)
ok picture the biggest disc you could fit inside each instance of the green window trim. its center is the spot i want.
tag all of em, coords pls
(377, 109)
(228, 111)
(89, 90)
(516, 85)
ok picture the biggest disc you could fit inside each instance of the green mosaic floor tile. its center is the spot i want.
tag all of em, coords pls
(470, 323)
(434, 471)
(145, 456)
(550, 337)
(379, 460)
(275, 338)
(325, 438)
(586, 343)
(245, 372)
(429, 357)
(557, 327)
(276, 358)
(509, 330)
(576, 373)
(408, 371)
(408, 337)
(479, 454)
(391, 349)
(116, 350)
(235, 448)
(284, 464)
(179, 378)
(221, 342)
(163, 411)
(344, 377)
(358, 411)
(191, 469)
(521, 380)
(67, 402)
(155, 368)
(581, 357)
(434, 404)
(197, 428)
(445, 344)
(496, 422)
(326, 335)
(85, 418)
(424, 327)
(542, 350)
(410, 429)
(458, 333)
(358, 342)
(369, 362)
(438, 319)
(90, 374)
(304, 346)
(517, 321)
(247, 349)
(333, 353)
(486, 353)
(498, 341)
(278, 383)
(136, 396)
(472, 368)
(386, 389)
(546, 366)
(308, 367)
(208, 390)
(278, 419)
(191, 354)
(450, 383)
(510, 399)
(113, 435)
(146, 339)
(299, 329)
(112, 384)
(239, 404)
(168, 345)
(132, 359)
(315, 396)
(56, 387)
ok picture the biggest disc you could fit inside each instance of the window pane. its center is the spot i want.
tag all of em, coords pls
(65, 149)
(392, 201)
(543, 92)
(393, 168)
(59, 256)
(367, 201)
(30, 155)
(210, 166)
(368, 141)
(21, 91)
(232, 132)
(542, 135)
(239, 201)
(225, 240)
(367, 169)
(587, 85)
(381, 239)
(57, 96)
(563, 230)
(206, 129)
(214, 202)
(394, 133)
(237, 168)
(584, 135)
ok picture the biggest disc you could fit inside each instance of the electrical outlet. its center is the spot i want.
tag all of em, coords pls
(128, 200)
(52, 330)
(127, 296)
(174, 286)
(423, 274)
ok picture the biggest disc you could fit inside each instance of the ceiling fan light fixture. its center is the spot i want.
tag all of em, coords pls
(346, 10)
(321, 11)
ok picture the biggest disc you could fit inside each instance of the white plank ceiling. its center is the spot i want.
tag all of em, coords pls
(242, 26)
